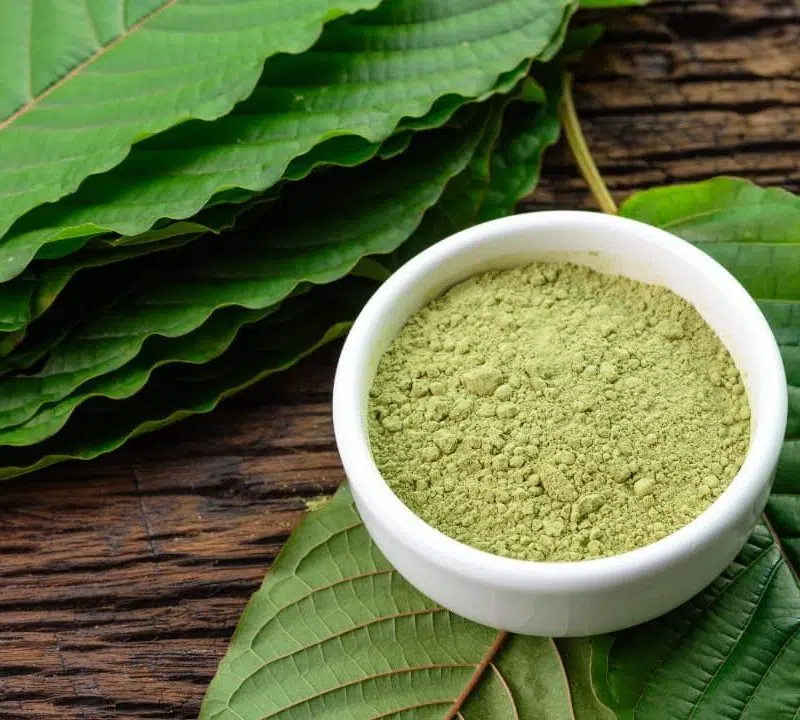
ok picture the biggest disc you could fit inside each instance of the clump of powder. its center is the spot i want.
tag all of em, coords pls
(551, 412)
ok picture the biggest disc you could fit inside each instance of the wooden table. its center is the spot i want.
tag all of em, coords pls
(122, 579)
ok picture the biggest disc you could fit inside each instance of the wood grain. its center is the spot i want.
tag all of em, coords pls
(122, 579)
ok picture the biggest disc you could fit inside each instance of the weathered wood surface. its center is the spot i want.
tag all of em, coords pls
(123, 579)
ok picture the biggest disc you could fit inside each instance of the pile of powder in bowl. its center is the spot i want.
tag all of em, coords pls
(550, 412)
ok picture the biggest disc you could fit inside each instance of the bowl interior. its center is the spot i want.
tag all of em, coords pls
(659, 259)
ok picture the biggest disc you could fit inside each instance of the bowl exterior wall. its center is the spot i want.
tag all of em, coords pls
(582, 598)
(549, 612)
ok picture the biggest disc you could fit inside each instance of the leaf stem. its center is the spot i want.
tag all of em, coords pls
(580, 150)
(480, 668)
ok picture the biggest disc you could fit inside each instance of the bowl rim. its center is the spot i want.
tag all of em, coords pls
(453, 556)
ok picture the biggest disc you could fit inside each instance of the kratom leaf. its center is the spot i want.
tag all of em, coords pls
(577, 42)
(27, 296)
(503, 170)
(52, 416)
(754, 232)
(18, 307)
(507, 165)
(334, 631)
(91, 293)
(734, 649)
(357, 212)
(516, 163)
(200, 346)
(23, 349)
(82, 82)
(30, 294)
(361, 78)
(264, 348)
(214, 336)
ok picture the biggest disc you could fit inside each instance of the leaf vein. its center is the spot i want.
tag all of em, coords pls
(361, 681)
(761, 680)
(782, 550)
(411, 707)
(322, 588)
(35, 100)
(711, 681)
(480, 668)
(507, 689)
(688, 628)
(713, 211)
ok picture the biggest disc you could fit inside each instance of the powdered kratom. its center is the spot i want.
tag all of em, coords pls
(550, 412)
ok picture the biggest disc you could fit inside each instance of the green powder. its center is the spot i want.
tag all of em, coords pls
(551, 412)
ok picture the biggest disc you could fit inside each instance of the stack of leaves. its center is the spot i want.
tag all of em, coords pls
(180, 179)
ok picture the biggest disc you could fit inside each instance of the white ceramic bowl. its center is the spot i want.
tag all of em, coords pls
(566, 598)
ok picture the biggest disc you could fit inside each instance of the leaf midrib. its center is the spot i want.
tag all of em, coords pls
(30, 104)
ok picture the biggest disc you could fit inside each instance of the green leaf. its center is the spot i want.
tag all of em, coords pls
(92, 292)
(579, 40)
(579, 664)
(504, 169)
(17, 308)
(754, 232)
(515, 166)
(159, 350)
(368, 643)
(363, 76)
(26, 297)
(723, 210)
(334, 631)
(82, 82)
(200, 346)
(29, 295)
(357, 212)
(216, 334)
(734, 649)
(175, 393)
